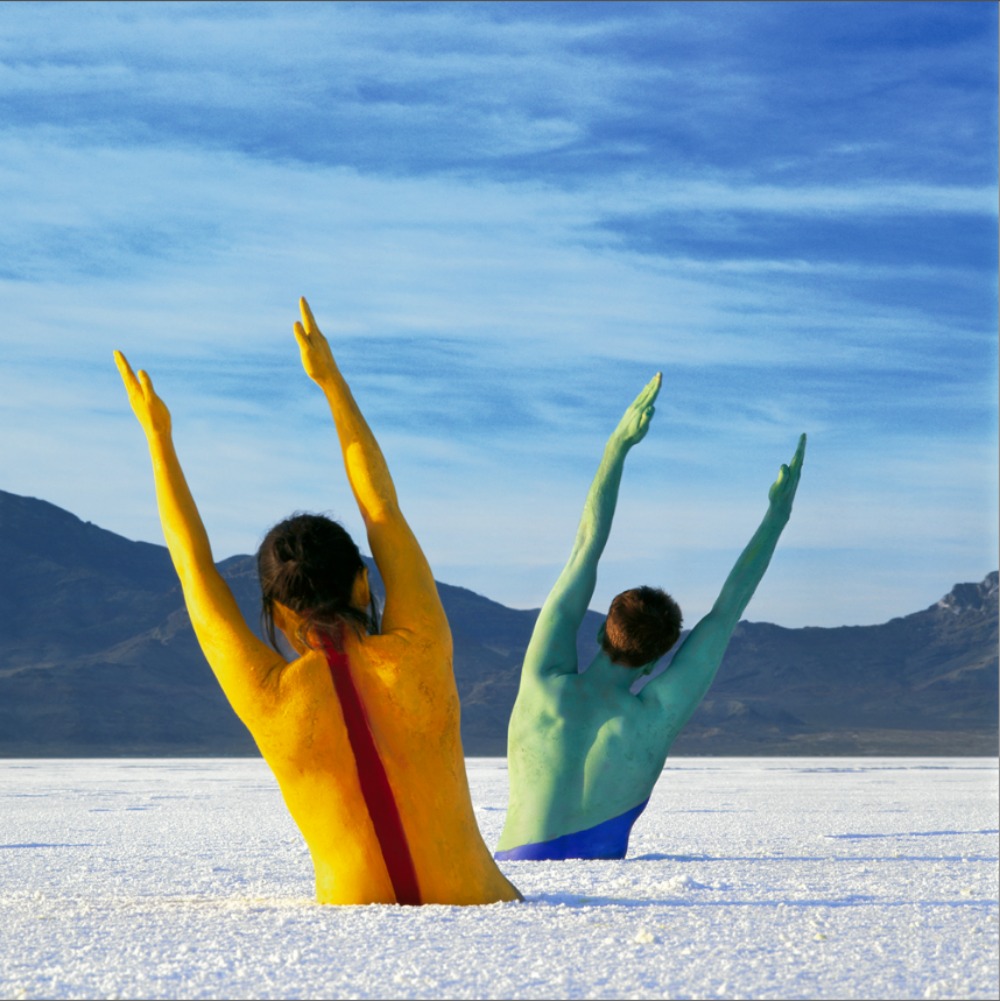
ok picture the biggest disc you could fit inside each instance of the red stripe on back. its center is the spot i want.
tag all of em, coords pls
(375, 786)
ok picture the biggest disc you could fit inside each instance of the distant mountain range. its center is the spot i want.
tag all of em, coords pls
(97, 658)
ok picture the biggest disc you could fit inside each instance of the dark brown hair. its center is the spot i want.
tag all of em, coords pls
(309, 564)
(642, 625)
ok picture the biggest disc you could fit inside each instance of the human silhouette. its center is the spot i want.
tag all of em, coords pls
(361, 729)
(584, 751)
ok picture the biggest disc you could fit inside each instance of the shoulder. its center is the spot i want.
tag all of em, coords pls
(413, 666)
(547, 694)
(292, 679)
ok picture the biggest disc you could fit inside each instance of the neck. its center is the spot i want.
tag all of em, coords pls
(604, 670)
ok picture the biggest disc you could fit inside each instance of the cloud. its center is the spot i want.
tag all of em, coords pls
(580, 90)
(506, 218)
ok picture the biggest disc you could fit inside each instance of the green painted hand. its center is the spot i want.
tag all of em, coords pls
(782, 491)
(634, 424)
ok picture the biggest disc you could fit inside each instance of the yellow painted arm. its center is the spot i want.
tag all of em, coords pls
(241, 662)
(411, 601)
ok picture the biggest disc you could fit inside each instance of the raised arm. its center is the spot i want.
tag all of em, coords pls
(552, 649)
(241, 662)
(683, 685)
(411, 598)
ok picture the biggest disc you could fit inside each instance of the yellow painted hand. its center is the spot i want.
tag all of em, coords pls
(148, 407)
(317, 358)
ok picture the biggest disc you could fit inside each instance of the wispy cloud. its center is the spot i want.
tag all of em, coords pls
(507, 217)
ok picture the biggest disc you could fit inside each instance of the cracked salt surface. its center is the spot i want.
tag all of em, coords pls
(746, 878)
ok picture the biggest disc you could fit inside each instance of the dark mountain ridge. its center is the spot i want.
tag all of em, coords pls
(97, 657)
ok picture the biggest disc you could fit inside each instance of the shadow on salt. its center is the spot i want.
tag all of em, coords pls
(912, 834)
(50, 844)
(580, 900)
(818, 858)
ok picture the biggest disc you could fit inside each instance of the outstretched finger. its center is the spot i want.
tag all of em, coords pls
(147, 384)
(648, 393)
(308, 320)
(132, 386)
(124, 369)
(800, 453)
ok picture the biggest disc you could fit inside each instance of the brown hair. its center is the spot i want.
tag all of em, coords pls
(309, 564)
(642, 625)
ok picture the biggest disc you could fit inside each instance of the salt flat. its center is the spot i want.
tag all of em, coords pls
(746, 878)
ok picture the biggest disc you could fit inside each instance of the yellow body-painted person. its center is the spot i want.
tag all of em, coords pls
(362, 729)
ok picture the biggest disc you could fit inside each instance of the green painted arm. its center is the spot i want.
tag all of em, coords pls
(683, 685)
(552, 649)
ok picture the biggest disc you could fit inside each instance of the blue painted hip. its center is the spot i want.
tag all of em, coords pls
(607, 840)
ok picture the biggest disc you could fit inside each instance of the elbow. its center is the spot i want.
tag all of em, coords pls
(380, 513)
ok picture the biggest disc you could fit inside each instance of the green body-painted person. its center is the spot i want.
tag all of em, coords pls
(584, 751)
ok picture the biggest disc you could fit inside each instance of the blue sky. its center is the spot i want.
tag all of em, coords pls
(507, 217)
